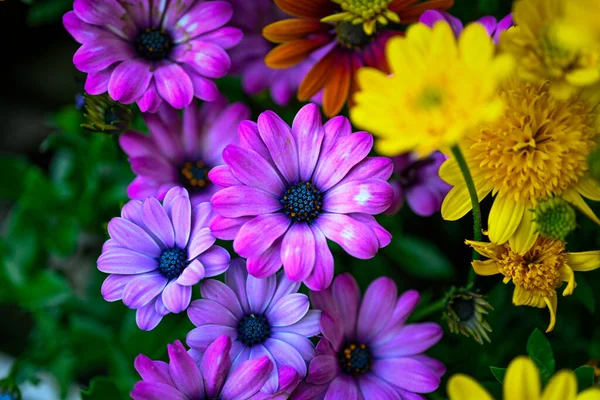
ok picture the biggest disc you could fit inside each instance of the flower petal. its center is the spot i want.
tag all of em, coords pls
(199, 243)
(322, 274)
(101, 53)
(257, 235)
(260, 292)
(288, 310)
(157, 221)
(185, 372)
(207, 312)
(253, 170)
(308, 131)
(241, 201)
(355, 237)
(143, 288)
(522, 380)
(129, 80)
(176, 297)
(131, 236)
(215, 365)
(180, 213)
(298, 252)
(277, 136)
(370, 196)
(201, 18)
(416, 377)
(174, 85)
(504, 219)
(217, 291)
(376, 309)
(247, 379)
(192, 274)
(125, 262)
(463, 387)
(343, 387)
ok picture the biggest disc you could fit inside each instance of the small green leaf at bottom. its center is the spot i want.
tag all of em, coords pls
(101, 389)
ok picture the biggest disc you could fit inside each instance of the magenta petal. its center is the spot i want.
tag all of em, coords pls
(308, 131)
(140, 290)
(153, 371)
(371, 196)
(113, 286)
(107, 13)
(150, 100)
(278, 138)
(192, 274)
(147, 318)
(176, 297)
(131, 236)
(267, 263)
(142, 187)
(253, 170)
(489, 23)
(154, 167)
(298, 252)
(347, 296)
(185, 372)
(335, 128)
(332, 330)
(201, 337)
(101, 53)
(322, 274)
(288, 310)
(212, 15)
(204, 88)
(383, 236)
(125, 262)
(157, 221)
(130, 80)
(372, 387)
(215, 366)
(155, 391)
(174, 11)
(322, 369)
(370, 168)
(247, 379)
(343, 387)
(223, 177)
(223, 131)
(406, 304)
(170, 196)
(235, 278)
(215, 260)
(241, 201)
(207, 59)
(219, 292)
(260, 292)
(136, 144)
(250, 139)
(436, 366)
(226, 37)
(412, 340)
(97, 82)
(202, 216)
(256, 236)
(415, 378)
(376, 308)
(355, 237)
(174, 85)
(308, 326)
(81, 31)
(227, 228)
(286, 354)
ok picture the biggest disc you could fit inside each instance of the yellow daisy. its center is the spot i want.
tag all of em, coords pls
(522, 382)
(440, 87)
(553, 44)
(537, 273)
(539, 149)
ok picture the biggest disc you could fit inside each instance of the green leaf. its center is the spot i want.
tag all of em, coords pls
(585, 377)
(51, 290)
(420, 258)
(44, 12)
(540, 351)
(585, 295)
(101, 389)
(13, 169)
(498, 373)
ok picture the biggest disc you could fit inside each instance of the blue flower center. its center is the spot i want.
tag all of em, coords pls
(172, 262)
(355, 359)
(194, 175)
(254, 329)
(154, 44)
(302, 202)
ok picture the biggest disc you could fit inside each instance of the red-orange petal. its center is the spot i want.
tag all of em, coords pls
(316, 9)
(336, 90)
(292, 29)
(413, 13)
(399, 5)
(317, 77)
(291, 53)
(356, 63)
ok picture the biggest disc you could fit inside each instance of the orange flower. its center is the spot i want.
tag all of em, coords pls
(346, 46)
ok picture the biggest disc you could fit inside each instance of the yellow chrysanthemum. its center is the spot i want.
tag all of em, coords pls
(440, 88)
(522, 382)
(538, 273)
(551, 45)
(537, 150)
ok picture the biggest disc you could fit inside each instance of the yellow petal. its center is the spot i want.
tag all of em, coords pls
(463, 387)
(562, 386)
(584, 261)
(458, 202)
(589, 187)
(485, 268)
(589, 394)
(522, 380)
(583, 77)
(476, 47)
(450, 172)
(525, 235)
(552, 303)
(443, 43)
(523, 297)
(504, 219)
(567, 275)
(575, 198)
(486, 249)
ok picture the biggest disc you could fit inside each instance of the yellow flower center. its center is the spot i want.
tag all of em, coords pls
(540, 146)
(365, 12)
(538, 270)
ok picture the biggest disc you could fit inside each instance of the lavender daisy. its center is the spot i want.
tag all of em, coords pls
(418, 181)
(156, 253)
(212, 378)
(261, 316)
(149, 52)
(288, 190)
(181, 151)
(494, 27)
(368, 351)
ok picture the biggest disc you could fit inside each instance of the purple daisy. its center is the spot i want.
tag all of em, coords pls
(156, 253)
(261, 316)
(247, 59)
(288, 190)
(493, 27)
(368, 351)
(418, 181)
(148, 51)
(181, 151)
(212, 378)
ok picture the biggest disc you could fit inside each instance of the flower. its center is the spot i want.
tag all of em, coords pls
(149, 52)
(263, 317)
(366, 342)
(440, 88)
(247, 59)
(181, 151)
(324, 24)
(538, 149)
(555, 218)
(538, 273)
(156, 253)
(419, 182)
(213, 377)
(522, 382)
(103, 114)
(493, 27)
(466, 313)
(552, 47)
(287, 190)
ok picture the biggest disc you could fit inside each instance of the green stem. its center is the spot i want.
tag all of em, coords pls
(428, 310)
(464, 169)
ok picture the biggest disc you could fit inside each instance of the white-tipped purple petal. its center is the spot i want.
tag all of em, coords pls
(298, 252)
(277, 136)
(141, 289)
(180, 215)
(215, 366)
(131, 236)
(355, 237)
(192, 274)
(204, 312)
(157, 221)
(125, 262)
(223, 177)
(322, 274)
(307, 326)
(200, 242)
(241, 201)
(288, 310)
(257, 235)
(176, 297)
(370, 196)
(215, 261)
(147, 318)
(308, 131)
(113, 286)
(253, 170)
(185, 372)
(219, 292)
(130, 80)
(201, 18)
(267, 263)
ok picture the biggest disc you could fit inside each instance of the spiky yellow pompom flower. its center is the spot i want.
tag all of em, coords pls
(539, 149)
(538, 273)
(365, 12)
(522, 382)
(440, 87)
(552, 42)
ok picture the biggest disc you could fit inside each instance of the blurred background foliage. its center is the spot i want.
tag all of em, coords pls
(61, 185)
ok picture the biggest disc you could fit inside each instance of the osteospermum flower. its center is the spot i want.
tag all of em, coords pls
(552, 47)
(156, 253)
(538, 273)
(466, 313)
(287, 190)
(261, 316)
(418, 182)
(440, 88)
(103, 114)
(211, 378)
(150, 52)
(367, 350)
(493, 27)
(538, 149)
(329, 25)
(181, 151)
(522, 382)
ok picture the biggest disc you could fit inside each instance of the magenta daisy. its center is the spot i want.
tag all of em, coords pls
(156, 253)
(368, 351)
(290, 189)
(212, 378)
(261, 316)
(148, 51)
(181, 151)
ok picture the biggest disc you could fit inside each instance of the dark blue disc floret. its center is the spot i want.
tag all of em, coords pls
(302, 202)
(172, 262)
(254, 329)
(154, 44)
(355, 359)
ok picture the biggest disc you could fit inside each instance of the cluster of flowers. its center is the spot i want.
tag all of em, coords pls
(451, 95)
